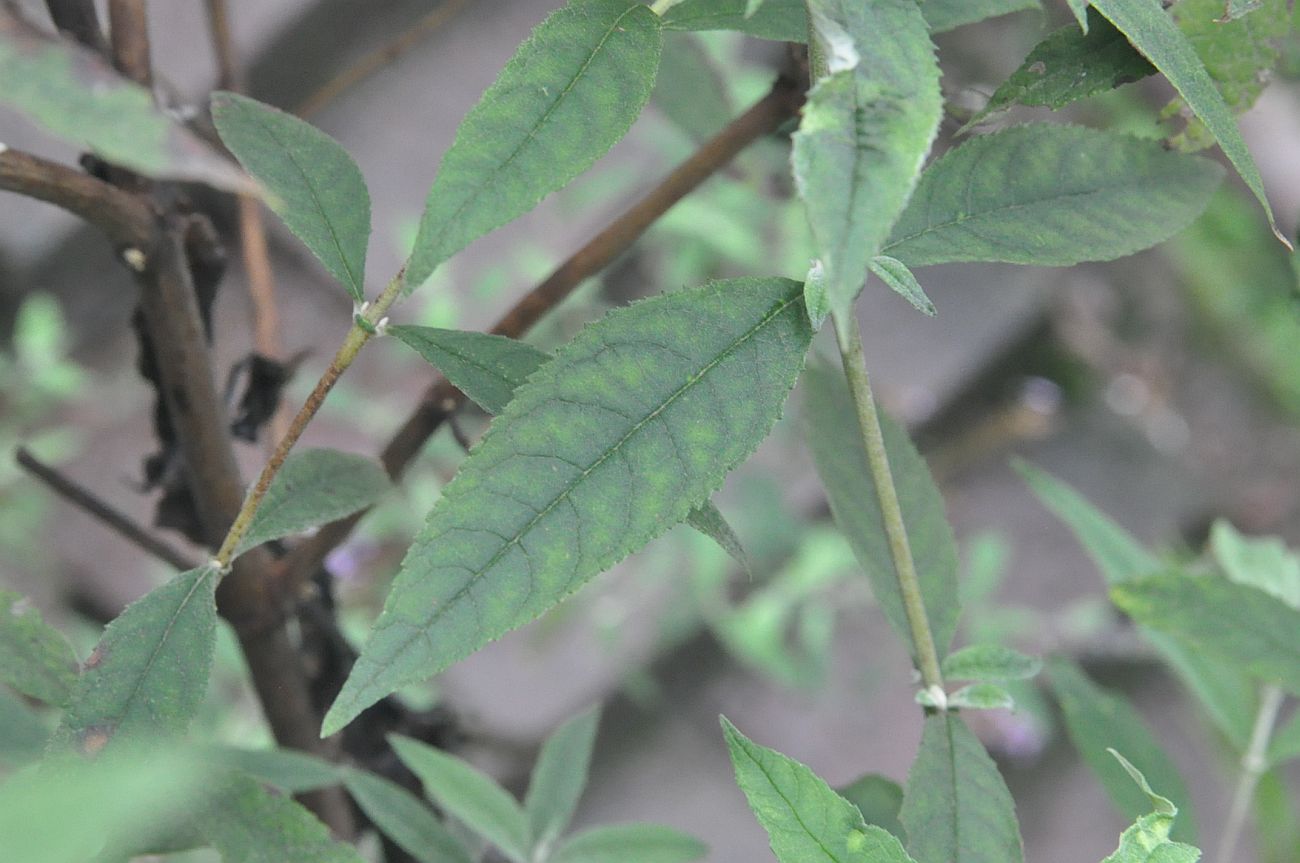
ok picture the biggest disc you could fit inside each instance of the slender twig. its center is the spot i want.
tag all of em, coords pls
(80, 20)
(229, 76)
(86, 500)
(363, 327)
(1253, 764)
(128, 31)
(379, 58)
(873, 439)
(441, 399)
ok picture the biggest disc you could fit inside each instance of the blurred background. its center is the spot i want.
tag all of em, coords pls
(1165, 387)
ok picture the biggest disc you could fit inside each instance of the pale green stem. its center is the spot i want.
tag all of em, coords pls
(1253, 764)
(364, 325)
(873, 440)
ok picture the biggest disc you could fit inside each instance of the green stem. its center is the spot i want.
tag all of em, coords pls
(1253, 764)
(364, 325)
(873, 439)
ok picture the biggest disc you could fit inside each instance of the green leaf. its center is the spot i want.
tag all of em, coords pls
(864, 135)
(1285, 744)
(879, 800)
(841, 461)
(1147, 841)
(559, 777)
(315, 186)
(1098, 720)
(1263, 562)
(1155, 34)
(405, 818)
(989, 662)
(468, 794)
(571, 91)
(1080, 10)
(805, 820)
(489, 368)
(35, 658)
(286, 769)
(1257, 632)
(690, 90)
(1069, 65)
(76, 95)
(249, 824)
(895, 273)
(1050, 195)
(780, 20)
(315, 487)
(148, 674)
(634, 422)
(956, 808)
(22, 732)
(1277, 833)
(981, 696)
(630, 843)
(1226, 693)
(946, 15)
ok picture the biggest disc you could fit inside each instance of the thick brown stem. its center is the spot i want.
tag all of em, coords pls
(128, 28)
(125, 219)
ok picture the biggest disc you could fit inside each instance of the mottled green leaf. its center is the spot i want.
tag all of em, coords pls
(947, 14)
(315, 487)
(1050, 195)
(405, 818)
(865, 132)
(630, 843)
(805, 820)
(841, 461)
(249, 824)
(634, 422)
(22, 732)
(690, 89)
(1155, 34)
(878, 799)
(35, 658)
(1070, 65)
(488, 369)
(781, 20)
(1256, 631)
(470, 795)
(1098, 720)
(899, 278)
(1263, 562)
(1147, 841)
(570, 93)
(149, 671)
(286, 769)
(956, 808)
(559, 776)
(981, 696)
(315, 186)
(76, 95)
(989, 662)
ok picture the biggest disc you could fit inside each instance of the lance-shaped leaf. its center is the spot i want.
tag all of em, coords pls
(981, 696)
(803, 817)
(691, 90)
(405, 818)
(1227, 694)
(75, 94)
(315, 186)
(865, 132)
(315, 487)
(1098, 720)
(836, 444)
(249, 824)
(1079, 8)
(489, 368)
(1147, 841)
(989, 662)
(1154, 33)
(900, 279)
(956, 808)
(286, 769)
(629, 843)
(148, 674)
(35, 658)
(470, 795)
(570, 93)
(559, 777)
(1254, 630)
(1050, 195)
(878, 799)
(947, 14)
(780, 20)
(634, 423)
